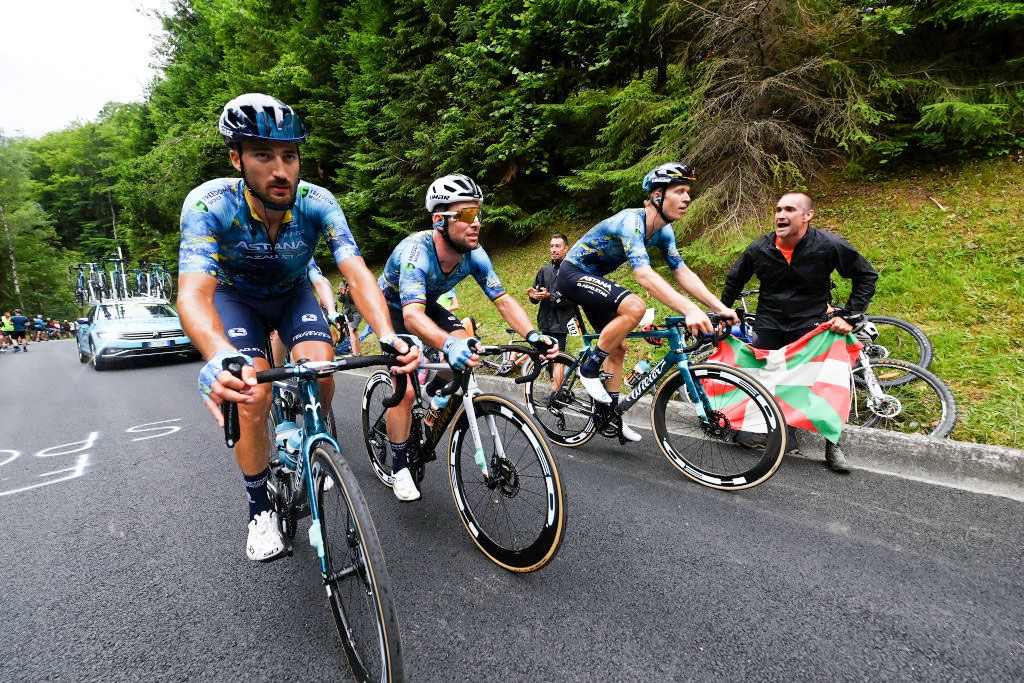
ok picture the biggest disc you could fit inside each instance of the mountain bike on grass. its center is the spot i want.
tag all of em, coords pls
(309, 478)
(696, 412)
(503, 478)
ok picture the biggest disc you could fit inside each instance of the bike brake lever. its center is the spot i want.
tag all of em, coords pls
(401, 382)
(232, 428)
(535, 373)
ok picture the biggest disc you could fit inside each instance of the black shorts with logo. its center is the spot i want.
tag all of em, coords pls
(296, 315)
(440, 315)
(598, 297)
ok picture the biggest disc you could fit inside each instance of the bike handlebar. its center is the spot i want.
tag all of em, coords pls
(307, 369)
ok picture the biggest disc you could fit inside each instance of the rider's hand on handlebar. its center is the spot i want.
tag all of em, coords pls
(217, 385)
(730, 316)
(698, 323)
(407, 351)
(459, 352)
(543, 343)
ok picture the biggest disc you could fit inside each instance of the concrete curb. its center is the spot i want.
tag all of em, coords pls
(979, 468)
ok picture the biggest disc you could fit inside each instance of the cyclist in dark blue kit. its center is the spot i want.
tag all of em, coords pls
(245, 247)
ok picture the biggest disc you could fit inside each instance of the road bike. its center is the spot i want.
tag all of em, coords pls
(309, 478)
(509, 362)
(888, 392)
(503, 478)
(89, 282)
(118, 284)
(696, 412)
(161, 284)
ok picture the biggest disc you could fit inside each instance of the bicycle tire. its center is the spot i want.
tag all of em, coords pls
(529, 463)
(716, 460)
(166, 286)
(355, 575)
(900, 340)
(567, 420)
(375, 436)
(907, 407)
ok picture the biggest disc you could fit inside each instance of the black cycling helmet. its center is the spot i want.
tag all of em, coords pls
(254, 116)
(672, 173)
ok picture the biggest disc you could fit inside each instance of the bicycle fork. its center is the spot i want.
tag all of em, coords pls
(478, 444)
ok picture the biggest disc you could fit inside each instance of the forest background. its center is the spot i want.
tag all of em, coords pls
(558, 108)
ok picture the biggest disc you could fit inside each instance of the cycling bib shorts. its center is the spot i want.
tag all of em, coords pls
(296, 316)
(598, 297)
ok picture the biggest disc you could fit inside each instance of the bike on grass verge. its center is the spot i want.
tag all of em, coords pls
(696, 412)
(503, 478)
(309, 478)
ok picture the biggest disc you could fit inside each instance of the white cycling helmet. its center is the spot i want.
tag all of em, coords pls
(451, 189)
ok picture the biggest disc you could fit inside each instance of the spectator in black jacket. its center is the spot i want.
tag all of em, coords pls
(555, 311)
(794, 265)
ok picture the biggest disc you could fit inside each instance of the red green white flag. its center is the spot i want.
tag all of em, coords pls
(810, 378)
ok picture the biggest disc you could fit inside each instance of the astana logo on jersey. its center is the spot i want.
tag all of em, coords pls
(304, 190)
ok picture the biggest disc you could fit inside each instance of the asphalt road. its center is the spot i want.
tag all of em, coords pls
(123, 559)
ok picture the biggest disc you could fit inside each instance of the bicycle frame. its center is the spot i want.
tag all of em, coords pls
(470, 389)
(676, 355)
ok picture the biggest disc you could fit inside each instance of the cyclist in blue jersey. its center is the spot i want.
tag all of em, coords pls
(613, 310)
(424, 266)
(245, 249)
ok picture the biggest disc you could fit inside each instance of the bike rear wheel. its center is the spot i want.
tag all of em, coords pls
(354, 573)
(921, 405)
(567, 417)
(378, 387)
(516, 515)
(706, 450)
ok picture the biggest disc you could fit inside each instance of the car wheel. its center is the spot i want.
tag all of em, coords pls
(97, 362)
(83, 357)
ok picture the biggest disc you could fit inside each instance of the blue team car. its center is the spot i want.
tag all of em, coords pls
(130, 328)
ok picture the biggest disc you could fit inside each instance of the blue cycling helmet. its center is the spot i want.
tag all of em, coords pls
(254, 116)
(672, 173)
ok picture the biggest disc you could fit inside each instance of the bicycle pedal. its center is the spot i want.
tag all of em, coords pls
(287, 552)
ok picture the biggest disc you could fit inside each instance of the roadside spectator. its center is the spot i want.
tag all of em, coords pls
(352, 316)
(794, 265)
(555, 313)
(39, 326)
(6, 327)
(19, 330)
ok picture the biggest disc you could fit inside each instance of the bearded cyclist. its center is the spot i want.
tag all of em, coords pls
(613, 310)
(424, 266)
(245, 247)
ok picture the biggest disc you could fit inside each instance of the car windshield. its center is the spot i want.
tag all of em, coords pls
(134, 312)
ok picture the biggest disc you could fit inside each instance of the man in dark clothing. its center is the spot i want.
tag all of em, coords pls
(556, 312)
(794, 265)
(20, 330)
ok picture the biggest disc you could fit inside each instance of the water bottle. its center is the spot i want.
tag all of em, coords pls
(288, 437)
(437, 404)
(641, 368)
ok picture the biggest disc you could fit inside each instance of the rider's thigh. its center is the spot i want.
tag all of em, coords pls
(312, 350)
(258, 409)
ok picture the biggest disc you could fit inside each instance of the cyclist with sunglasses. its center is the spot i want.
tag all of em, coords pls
(615, 311)
(246, 245)
(424, 266)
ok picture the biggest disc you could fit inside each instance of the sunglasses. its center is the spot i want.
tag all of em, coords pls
(470, 214)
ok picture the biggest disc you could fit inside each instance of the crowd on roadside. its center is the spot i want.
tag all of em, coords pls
(17, 330)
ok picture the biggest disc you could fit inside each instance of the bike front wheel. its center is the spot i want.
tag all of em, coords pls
(921, 405)
(737, 445)
(354, 574)
(567, 415)
(516, 513)
(375, 431)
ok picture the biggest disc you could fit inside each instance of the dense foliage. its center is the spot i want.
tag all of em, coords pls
(558, 107)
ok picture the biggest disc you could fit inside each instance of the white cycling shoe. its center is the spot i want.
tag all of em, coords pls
(265, 542)
(628, 434)
(404, 487)
(595, 387)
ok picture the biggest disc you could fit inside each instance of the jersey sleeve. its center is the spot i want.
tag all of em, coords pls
(631, 234)
(199, 250)
(333, 223)
(313, 272)
(414, 265)
(483, 273)
(669, 250)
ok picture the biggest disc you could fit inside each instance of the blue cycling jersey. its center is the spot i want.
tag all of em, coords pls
(413, 275)
(612, 242)
(222, 237)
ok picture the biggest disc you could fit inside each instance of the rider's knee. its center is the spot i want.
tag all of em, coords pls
(633, 308)
(256, 410)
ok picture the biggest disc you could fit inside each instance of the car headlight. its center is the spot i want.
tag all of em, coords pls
(110, 335)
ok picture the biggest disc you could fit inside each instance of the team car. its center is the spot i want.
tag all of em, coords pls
(131, 328)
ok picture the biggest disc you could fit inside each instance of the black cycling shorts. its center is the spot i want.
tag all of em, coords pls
(598, 297)
(440, 315)
(296, 316)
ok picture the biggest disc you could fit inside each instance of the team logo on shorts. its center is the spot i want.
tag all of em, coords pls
(309, 317)
(237, 332)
